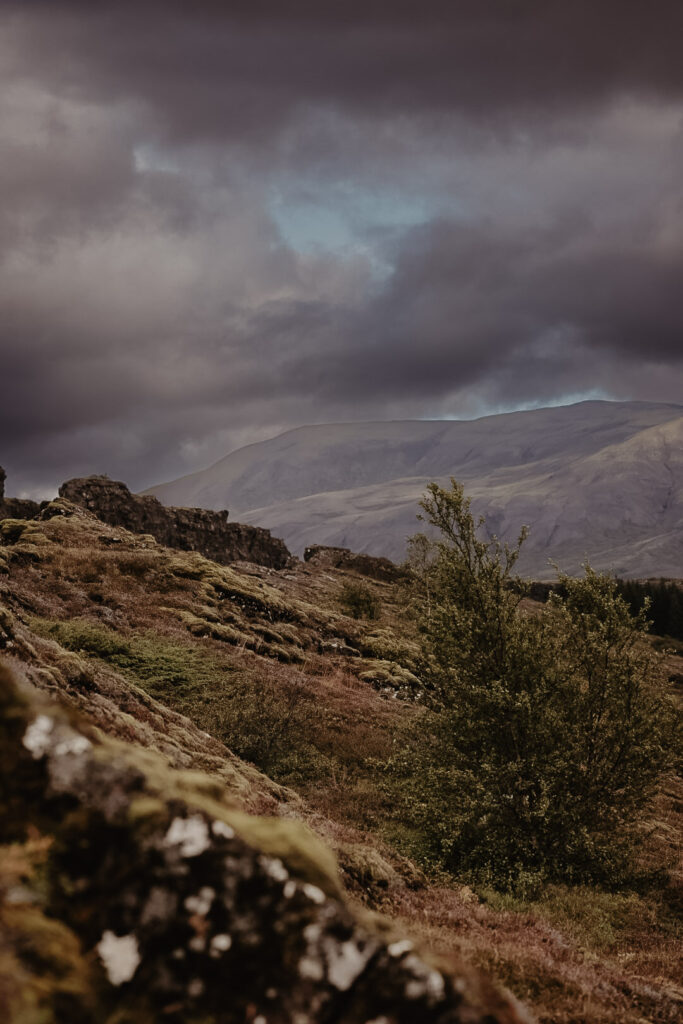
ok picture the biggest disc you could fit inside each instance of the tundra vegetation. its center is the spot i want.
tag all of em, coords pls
(356, 726)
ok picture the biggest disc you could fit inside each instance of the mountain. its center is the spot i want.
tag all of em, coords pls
(602, 480)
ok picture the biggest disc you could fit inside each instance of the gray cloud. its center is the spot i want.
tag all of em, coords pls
(500, 219)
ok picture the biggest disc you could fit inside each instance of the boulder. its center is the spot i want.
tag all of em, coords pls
(128, 896)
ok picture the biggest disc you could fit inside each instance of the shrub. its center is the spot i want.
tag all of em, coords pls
(551, 730)
(359, 602)
(262, 717)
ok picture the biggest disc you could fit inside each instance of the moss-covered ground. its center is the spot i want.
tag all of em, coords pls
(270, 664)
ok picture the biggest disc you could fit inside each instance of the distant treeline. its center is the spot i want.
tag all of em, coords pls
(666, 602)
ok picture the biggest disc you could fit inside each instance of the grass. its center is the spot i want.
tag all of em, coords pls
(271, 716)
(572, 951)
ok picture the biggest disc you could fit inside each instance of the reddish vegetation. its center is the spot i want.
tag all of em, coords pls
(572, 954)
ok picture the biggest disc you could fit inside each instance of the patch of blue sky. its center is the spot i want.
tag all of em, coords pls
(148, 158)
(572, 398)
(488, 408)
(342, 218)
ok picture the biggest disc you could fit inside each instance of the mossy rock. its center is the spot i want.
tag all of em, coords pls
(11, 530)
(389, 675)
(385, 645)
(367, 869)
(44, 976)
(155, 891)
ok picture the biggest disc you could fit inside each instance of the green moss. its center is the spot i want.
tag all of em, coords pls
(167, 670)
(280, 653)
(258, 717)
(595, 918)
(365, 866)
(289, 633)
(391, 674)
(384, 644)
(294, 844)
(44, 977)
(12, 529)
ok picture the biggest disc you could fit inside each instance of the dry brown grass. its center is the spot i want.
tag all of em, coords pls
(575, 955)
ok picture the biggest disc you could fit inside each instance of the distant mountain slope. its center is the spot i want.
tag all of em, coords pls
(596, 479)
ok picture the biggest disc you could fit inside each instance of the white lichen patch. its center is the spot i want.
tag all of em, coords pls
(120, 956)
(345, 961)
(312, 932)
(275, 868)
(201, 903)
(311, 969)
(220, 944)
(74, 744)
(219, 828)
(37, 736)
(289, 889)
(314, 894)
(397, 949)
(190, 834)
(425, 983)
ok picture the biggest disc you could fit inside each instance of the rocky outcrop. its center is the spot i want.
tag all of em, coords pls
(377, 568)
(16, 508)
(189, 529)
(132, 892)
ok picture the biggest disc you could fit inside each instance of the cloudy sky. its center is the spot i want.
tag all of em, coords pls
(222, 220)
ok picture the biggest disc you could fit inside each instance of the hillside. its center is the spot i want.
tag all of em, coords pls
(596, 479)
(253, 693)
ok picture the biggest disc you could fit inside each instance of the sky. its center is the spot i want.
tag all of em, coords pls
(219, 221)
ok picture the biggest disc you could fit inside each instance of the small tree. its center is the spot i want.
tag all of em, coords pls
(552, 727)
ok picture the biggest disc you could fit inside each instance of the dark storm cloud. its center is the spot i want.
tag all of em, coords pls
(216, 70)
(467, 303)
(154, 312)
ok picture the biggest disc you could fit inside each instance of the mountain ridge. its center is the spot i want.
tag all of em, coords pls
(593, 480)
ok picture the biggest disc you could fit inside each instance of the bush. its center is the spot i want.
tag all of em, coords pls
(551, 729)
(358, 601)
(263, 718)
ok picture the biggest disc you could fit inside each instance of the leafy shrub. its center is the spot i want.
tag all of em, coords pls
(550, 731)
(262, 717)
(359, 602)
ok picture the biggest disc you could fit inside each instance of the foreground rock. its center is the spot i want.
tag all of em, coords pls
(130, 895)
(189, 529)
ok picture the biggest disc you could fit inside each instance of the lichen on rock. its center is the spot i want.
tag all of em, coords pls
(183, 909)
